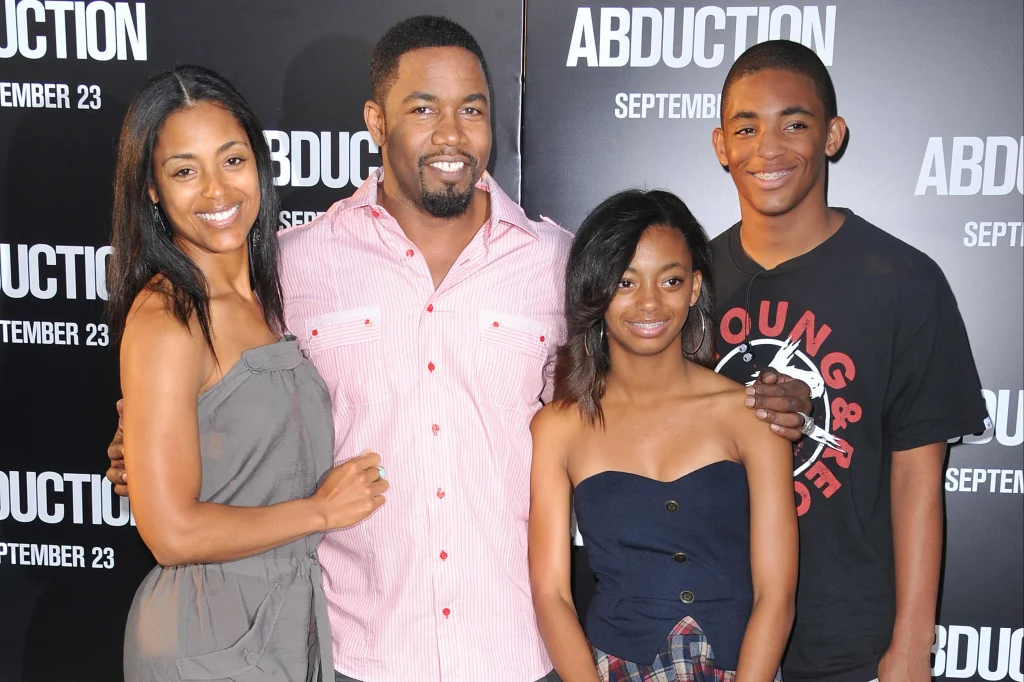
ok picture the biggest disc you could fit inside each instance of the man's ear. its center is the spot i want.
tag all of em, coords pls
(836, 136)
(373, 115)
(718, 142)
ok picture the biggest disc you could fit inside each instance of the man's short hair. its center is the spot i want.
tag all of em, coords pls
(413, 34)
(784, 55)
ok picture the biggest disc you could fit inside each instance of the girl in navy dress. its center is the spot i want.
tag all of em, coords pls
(683, 498)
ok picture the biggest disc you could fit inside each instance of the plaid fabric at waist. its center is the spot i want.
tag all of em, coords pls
(685, 656)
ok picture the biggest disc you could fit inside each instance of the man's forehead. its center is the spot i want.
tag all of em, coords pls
(440, 62)
(775, 89)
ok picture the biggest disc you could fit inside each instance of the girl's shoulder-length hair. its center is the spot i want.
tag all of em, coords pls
(602, 250)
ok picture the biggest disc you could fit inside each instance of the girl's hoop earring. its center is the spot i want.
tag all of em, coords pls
(703, 333)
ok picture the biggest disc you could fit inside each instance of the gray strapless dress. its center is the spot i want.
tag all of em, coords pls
(267, 436)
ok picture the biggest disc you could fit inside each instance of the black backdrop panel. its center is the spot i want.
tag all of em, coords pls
(70, 559)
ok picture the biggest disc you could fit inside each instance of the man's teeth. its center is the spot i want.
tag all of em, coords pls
(647, 325)
(217, 217)
(448, 166)
(771, 176)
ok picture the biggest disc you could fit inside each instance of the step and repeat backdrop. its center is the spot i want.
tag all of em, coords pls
(624, 95)
(614, 96)
(70, 559)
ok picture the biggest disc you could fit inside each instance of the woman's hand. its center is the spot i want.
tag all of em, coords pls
(351, 491)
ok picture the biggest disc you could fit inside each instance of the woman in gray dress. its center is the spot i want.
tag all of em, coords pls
(227, 427)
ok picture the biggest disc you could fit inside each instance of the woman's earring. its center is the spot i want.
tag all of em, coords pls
(703, 333)
(600, 340)
(159, 220)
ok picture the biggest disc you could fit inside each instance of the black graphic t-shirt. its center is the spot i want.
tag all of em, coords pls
(871, 325)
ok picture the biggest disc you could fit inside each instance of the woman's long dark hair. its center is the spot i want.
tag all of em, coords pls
(602, 250)
(142, 247)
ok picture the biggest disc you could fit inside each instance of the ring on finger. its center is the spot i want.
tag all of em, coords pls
(381, 473)
(808, 426)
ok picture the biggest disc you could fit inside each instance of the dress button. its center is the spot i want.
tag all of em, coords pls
(431, 367)
(672, 506)
(440, 494)
(686, 597)
(430, 308)
(679, 556)
(410, 253)
(447, 612)
(435, 428)
(251, 657)
(376, 213)
(444, 555)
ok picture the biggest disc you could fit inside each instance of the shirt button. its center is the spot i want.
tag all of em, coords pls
(375, 213)
(679, 556)
(672, 506)
(430, 366)
(494, 324)
(430, 308)
(686, 597)
(447, 612)
(440, 494)
(435, 428)
(314, 332)
(410, 253)
(542, 339)
(444, 555)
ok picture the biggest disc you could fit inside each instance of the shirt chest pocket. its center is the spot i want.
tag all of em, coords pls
(347, 348)
(511, 353)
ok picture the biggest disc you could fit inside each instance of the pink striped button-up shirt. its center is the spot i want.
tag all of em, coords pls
(443, 384)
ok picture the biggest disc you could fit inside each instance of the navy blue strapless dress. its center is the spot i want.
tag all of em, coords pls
(671, 558)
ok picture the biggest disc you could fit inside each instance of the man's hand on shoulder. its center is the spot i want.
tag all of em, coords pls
(781, 401)
(115, 451)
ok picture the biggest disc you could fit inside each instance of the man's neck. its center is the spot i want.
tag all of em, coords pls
(771, 240)
(428, 232)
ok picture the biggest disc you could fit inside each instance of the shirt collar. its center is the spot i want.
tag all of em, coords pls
(503, 209)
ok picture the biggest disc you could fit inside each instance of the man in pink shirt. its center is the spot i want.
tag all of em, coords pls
(432, 307)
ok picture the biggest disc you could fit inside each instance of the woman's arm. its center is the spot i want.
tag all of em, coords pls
(162, 370)
(773, 546)
(550, 546)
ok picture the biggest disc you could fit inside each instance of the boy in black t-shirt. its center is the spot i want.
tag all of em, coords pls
(872, 326)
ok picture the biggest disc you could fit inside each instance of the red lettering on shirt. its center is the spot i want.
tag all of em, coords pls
(841, 458)
(726, 327)
(844, 413)
(823, 479)
(814, 339)
(837, 369)
(780, 318)
(804, 505)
